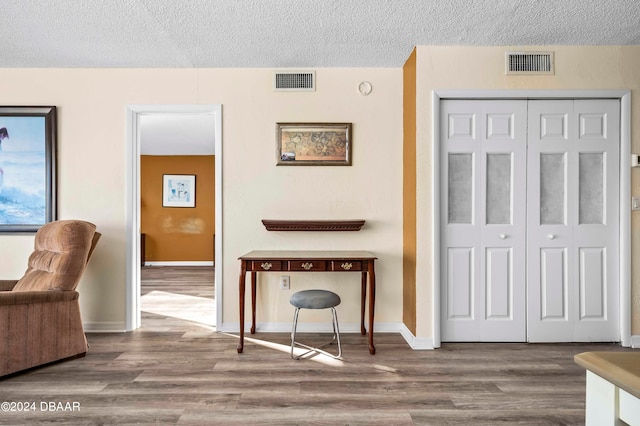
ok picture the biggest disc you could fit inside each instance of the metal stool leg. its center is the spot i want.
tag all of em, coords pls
(336, 337)
(293, 332)
(336, 331)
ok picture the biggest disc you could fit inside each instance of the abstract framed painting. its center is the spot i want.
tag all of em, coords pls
(178, 190)
(27, 167)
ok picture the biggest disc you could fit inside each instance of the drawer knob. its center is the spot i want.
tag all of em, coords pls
(347, 266)
(266, 266)
(307, 266)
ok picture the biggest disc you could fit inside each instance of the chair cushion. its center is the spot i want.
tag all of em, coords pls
(314, 299)
(59, 258)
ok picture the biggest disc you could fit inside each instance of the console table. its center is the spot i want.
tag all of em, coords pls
(308, 261)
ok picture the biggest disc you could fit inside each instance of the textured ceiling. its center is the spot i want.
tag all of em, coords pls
(292, 33)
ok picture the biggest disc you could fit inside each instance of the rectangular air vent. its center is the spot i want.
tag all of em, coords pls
(529, 63)
(294, 81)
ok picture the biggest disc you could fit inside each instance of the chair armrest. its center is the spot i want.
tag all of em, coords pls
(42, 296)
(7, 285)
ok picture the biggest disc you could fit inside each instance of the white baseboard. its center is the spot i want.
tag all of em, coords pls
(304, 327)
(104, 327)
(415, 343)
(635, 342)
(181, 263)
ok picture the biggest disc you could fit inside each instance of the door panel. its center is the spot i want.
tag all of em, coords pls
(460, 285)
(461, 188)
(553, 284)
(593, 283)
(499, 283)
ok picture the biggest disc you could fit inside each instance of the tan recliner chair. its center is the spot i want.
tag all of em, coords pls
(39, 314)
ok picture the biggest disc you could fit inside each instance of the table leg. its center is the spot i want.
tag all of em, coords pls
(363, 302)
(372, 303)
(241, 291)
(253, 302)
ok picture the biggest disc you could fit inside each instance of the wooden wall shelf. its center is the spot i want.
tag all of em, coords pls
(313, 225)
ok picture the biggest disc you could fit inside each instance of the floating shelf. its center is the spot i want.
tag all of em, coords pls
(313, 225)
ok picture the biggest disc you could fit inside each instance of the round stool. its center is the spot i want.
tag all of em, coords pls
(315, 299)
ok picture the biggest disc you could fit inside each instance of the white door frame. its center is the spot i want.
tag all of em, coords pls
(133, 114)
(624, 96)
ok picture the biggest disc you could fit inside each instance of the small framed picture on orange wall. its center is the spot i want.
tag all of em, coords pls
(178, 190)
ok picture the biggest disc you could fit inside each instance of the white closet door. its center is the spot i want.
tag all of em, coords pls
(573, 214)
(483, 203)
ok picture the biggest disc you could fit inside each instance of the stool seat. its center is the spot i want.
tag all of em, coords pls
(314, 299)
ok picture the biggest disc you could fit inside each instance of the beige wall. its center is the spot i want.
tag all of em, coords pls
(92, 169)
(476, 68)
(92, 165)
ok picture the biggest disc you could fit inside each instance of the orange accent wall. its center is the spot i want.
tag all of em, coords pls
(409, 194)
(177, 233)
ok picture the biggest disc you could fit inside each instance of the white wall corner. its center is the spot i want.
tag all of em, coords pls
(635, 341)
(416, 343)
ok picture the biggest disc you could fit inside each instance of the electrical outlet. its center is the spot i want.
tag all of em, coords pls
(285, 282)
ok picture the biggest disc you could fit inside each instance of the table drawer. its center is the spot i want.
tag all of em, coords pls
(266, 265)
(346, 265)
(307, 265)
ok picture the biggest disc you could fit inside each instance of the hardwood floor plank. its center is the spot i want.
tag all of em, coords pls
(296, 416)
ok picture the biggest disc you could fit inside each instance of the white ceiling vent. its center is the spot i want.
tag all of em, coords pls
(529, 63)
(294, 81)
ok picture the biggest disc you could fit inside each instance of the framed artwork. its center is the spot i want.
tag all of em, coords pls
(27, 167)
(313, 144)
(178, 190)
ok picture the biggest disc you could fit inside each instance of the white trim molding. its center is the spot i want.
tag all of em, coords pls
(285, 327)
(416, 343)
(104, 327)
(625, 188)
(309, 327)
(635, 341)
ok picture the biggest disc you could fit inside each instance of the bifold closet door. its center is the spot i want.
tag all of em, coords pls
(573, 220)
(483, 214)
(529, 220)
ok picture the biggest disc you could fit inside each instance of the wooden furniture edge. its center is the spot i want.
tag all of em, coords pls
(610, 371)
(313, 225)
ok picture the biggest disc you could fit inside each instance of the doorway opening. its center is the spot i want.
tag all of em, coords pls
(136, 116)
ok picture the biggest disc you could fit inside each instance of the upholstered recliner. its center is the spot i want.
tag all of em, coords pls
(39, 313)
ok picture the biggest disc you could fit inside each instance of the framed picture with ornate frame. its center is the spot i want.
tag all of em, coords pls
(313, 144)
(27, 167)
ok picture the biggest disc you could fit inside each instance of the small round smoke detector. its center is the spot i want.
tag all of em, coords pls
(365, 88)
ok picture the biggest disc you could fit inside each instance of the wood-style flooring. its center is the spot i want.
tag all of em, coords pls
(180, 371)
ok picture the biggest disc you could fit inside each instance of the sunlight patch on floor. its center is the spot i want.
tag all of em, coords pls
(200, 310)
(321, 358)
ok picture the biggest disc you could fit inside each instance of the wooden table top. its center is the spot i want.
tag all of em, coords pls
(620, 368)
(307, 254)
